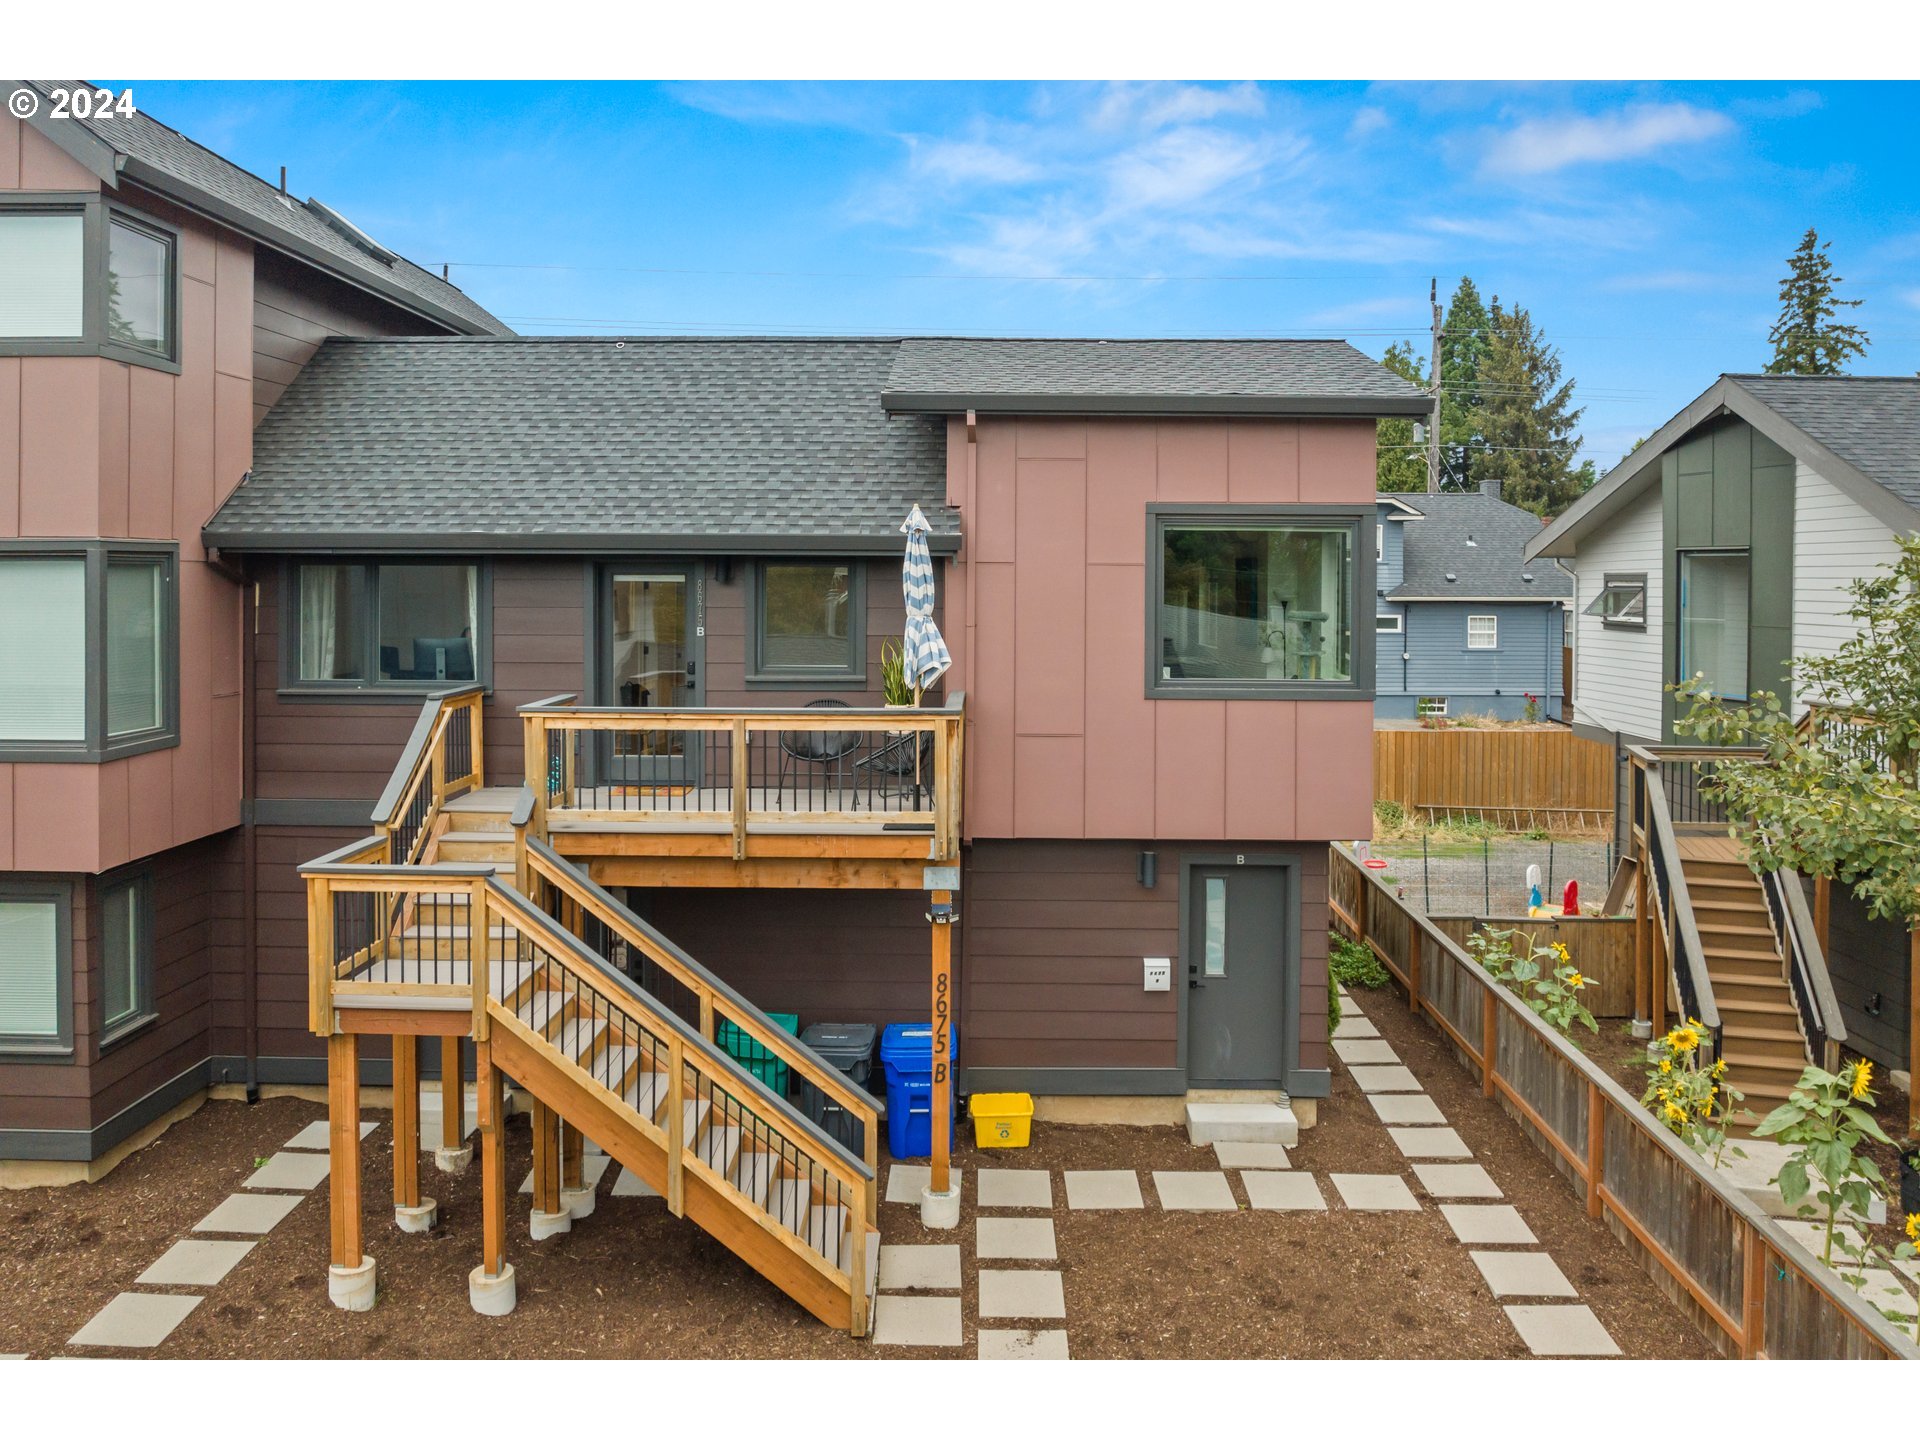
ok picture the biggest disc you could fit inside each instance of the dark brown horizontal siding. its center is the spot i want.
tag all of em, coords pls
(294, 309)
(1055, 935)
(282, 947)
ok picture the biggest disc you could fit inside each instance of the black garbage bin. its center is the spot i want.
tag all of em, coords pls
(849, 1049)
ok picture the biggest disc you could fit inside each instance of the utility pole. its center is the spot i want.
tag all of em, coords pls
(1433, 420)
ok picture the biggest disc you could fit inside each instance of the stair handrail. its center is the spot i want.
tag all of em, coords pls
(1806, 962)
(1670, 883)
(421, 783)
(717, 998)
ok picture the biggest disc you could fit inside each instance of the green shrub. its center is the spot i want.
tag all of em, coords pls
(1333, 1011)
(1351, 963)
(1391, 814)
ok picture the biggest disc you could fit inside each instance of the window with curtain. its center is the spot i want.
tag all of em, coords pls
(404, 625)
(126, 954)
(1246, 605)
(43, 648)
(808, 621)
(139, 287)
(1714, 620)
(43, 272)
(33, 991)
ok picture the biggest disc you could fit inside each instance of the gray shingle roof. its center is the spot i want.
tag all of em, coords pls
(589, 443)
(165, 160)
(1319, 377)
(1490, 568)
(1871, 422)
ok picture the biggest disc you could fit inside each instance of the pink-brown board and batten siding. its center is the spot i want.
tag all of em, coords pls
(1064, 742)
(99, 449)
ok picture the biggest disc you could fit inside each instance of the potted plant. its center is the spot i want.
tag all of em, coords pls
(895, 691)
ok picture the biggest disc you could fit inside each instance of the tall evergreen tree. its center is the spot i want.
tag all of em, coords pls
(1528, 421)
(1807, 338)
(1464, 342)
(1402, 459)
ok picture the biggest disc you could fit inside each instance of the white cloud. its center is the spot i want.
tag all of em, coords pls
(1537, 147)
(1153, 107)
(962, 162)
(1368, 120)
(1187, 165)
(1911, 297)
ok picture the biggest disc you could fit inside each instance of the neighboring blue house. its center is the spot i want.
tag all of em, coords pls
(1467, 626)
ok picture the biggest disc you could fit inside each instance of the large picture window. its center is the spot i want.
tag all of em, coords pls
(81, 276)
(1713, 620)
(809, 623)
(35, 972)
(89, 650)
(1257, 602)
(385, 626)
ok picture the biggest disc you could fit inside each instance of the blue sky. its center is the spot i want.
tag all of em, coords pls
(1644, 225)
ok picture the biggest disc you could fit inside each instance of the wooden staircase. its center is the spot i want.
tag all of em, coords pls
(1761, 1037)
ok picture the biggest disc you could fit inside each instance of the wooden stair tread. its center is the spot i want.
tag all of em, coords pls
(1758, 1007)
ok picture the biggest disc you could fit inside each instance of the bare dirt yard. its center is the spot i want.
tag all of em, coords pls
(631, 1281)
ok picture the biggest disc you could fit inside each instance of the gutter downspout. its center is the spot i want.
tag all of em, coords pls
(249, 836)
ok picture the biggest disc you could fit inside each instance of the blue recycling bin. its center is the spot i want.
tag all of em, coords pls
(906, 1052)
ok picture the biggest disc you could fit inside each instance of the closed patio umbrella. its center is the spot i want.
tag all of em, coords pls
(924, 653)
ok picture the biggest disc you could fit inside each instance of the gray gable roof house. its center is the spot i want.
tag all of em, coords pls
(140, 149)
(1472, 545)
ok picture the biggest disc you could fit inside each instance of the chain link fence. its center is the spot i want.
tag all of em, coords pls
(1489, 876)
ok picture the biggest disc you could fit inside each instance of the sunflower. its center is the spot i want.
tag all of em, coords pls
(1675, 1113)
(1666, 1066)
(1862, 1078)
(1576, 980)
(1684, 1039)
(1913, 1227)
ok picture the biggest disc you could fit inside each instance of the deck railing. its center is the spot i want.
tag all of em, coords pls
(443, 757)
(1675, 932)
(749, 772)
(1742, 1276)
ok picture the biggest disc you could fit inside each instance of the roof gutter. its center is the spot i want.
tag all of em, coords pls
(1327, 407)
(605, 542)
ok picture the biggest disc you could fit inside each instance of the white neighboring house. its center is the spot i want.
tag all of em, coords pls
(1724, 546)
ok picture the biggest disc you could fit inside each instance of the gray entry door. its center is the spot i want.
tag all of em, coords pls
(1236, 948)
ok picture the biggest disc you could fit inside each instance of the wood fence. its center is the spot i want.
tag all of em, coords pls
(1747, 1285)
(1550, 778)
(1601, 947)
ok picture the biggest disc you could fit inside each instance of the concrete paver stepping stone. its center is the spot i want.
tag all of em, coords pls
(919, 1267)
(1104, 1190)
(1007, 1237)
(1434, 1142)
(1194, 1190)
(196, 1262)
(136, 1322)
(1283, 1190)
(1457, 1182)
(1354, 1026)
(1251, 1155)
(248, 1214)
(917, 1320)
(628, 1184)
(1407, 1109)
(1522, 1272)
(1366, 1052)
(1022, 1295)
(1561, 1330)
(1376, 1079)
(1014, 1189)
(592, 1167)
(317, 1137)
(1374, 1192)
(905, 1182)
(1488, 1225)
(1023, 1345)
(12, 1357)
(289, 1170)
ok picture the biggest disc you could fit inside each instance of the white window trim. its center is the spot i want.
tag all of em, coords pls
(1491, 640)
(1389, 624)
(1430, 707)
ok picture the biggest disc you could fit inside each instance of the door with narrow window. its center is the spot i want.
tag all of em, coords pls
(1237, 949)
(651, 661)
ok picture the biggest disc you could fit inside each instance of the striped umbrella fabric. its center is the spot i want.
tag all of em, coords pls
(923, 652)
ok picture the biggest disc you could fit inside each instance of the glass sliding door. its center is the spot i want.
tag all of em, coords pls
(1714, 620)
(652, 665)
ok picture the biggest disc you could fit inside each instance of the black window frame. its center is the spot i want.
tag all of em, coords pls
(1360, 600)
(97, 745)
(98, 215)
(762, 676)
(138, 879)
(59, 894)
(370, 686)
(1621, 580)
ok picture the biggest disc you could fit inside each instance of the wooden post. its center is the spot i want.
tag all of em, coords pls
(1913, 1032)
(453, 1095)
(533, 741)
(1753, 1296)
(1489, 1039)
(942, 1042)
(857, 1270)
(476, 740)
(1823, 909)
(546, 1159)
(406, 1121)
(343, 1143)
(676, 1126)
(1415, 944)
(706, 1013)
(573, 1150)
(740, 787)
(493, 1161)
(480, 954)
(1642, 941)
(1596, 1146)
